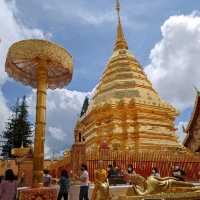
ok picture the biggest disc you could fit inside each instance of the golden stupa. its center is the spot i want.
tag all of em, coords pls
(126, 113)
(126, 122)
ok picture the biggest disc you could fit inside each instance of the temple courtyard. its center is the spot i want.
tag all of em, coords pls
(124, 143)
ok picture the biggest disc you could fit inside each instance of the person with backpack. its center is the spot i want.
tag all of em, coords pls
(46, 178)
(64, 183)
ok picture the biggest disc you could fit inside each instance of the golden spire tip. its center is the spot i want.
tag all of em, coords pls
(120, 40)
(118, 9)
(118, 6)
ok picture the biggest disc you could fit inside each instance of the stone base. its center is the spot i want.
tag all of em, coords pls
(42, 193)
(115, 191)
(165, 196)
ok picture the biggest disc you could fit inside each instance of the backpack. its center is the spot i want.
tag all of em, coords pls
(47, 180)
(64, 185)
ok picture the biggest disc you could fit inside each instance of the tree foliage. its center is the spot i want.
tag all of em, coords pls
(18, 131)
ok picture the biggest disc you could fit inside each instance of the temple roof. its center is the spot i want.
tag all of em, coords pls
(193, 119)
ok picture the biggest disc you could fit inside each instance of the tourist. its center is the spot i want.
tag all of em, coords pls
(116, 169)
(154, 172)
(130, 169)
(22, 179)
(178, 173)
(84, 187)
(46, 178)
(110, 171)
(64, 185)
(8, 186)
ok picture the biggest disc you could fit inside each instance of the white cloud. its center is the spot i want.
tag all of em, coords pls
(63, 109)
(47, 152)
(63, 105)
(4, 112)
(11, 31)
(56, 133)
(174, 67)
(83, 14)
(93, 19)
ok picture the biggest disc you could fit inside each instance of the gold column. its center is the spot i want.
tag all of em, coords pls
(38, 160)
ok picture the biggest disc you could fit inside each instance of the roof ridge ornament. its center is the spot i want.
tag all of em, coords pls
(120, 40)
(196, 89)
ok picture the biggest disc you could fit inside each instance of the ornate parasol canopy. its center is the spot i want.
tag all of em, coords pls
(25, 57)
(40, 64)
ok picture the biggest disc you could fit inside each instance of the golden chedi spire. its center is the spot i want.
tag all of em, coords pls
(126, 111)
(120, 40)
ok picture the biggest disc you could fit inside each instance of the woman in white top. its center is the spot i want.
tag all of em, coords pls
(84, 187)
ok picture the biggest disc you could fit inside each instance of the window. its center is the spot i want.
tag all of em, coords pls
(79, 137)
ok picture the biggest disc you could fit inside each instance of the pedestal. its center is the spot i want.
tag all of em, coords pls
(115, 191)
(42, 193)
(165, 196)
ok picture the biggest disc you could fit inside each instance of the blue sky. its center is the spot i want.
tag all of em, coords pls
(90, 42)
(87, 30)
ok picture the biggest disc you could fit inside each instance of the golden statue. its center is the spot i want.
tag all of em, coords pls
(156, 185)
(101, 189)
(138, 180)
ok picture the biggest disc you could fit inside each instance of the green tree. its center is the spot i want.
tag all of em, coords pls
(18, 131)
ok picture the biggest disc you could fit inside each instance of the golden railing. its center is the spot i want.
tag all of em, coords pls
(144, 161)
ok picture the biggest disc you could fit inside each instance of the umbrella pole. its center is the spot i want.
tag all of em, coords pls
(38, 158)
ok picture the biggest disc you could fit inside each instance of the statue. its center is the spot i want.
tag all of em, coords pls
(136, 180)
(101, 189)
(156, 185)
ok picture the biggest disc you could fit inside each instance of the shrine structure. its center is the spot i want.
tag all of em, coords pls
(192, 139)
(126, 113)
(127, 122)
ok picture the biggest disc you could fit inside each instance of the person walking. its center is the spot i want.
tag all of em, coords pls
(178, 173)
(64, 183)
(155, 172)
(84, 187)
(8, 186)
(46, 178)
(130, 169)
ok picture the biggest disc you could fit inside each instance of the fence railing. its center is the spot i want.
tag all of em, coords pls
(144, 161)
